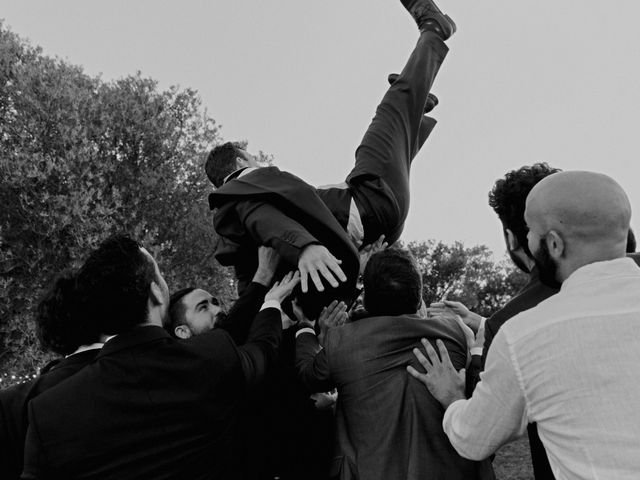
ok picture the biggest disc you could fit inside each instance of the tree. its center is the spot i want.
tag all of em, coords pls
(81, 159)
(466, 274)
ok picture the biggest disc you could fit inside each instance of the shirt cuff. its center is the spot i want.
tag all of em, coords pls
(482, 322)
(271, 304)
(305, 330)
(446, 420)
(476, 351)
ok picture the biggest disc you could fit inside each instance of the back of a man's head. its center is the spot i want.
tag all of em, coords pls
(59, 326)
(392, 283)
(577, 218)
(509, 194)
(221, 162)
(113, 285)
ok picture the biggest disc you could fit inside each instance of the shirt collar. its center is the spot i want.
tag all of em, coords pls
(84, 348)
(238, 173)
(598, 270)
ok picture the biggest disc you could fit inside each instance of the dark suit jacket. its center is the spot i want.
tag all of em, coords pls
(13, 408)
(151, 406)
(389, 426)
(242, 312)
(277, 209)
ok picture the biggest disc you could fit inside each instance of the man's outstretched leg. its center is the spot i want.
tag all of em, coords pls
(380, 179)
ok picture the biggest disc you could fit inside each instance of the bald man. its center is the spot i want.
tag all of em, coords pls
(569, 364)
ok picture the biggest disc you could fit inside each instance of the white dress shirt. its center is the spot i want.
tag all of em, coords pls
(571, 365)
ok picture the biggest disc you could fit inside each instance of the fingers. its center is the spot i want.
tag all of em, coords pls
(290, 281)
(316, 280)
(426, 364)
(444, 354)
(335, 268)
(417, 375)
(431, 353)
(335, 311)
(324, 271)
(303, 280)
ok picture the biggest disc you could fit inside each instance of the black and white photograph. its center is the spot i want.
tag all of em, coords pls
(338, 240)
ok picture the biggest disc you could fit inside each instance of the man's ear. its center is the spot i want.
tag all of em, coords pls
(183, 332)
(155, 293)
(511, 240)
(240, 162)
(555, 244)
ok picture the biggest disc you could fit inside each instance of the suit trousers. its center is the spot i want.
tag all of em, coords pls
(379, 181)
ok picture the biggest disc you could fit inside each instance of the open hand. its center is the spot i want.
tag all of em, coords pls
(283, 288)
(333, 315)
(316, 260)
(440, 377)
(371, 249)
(470, 319)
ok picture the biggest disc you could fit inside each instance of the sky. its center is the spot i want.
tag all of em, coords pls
(554, 81)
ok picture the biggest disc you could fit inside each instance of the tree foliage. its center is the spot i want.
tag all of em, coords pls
(466, 274)
(82, 158)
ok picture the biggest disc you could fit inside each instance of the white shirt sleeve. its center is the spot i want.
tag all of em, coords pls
(496, 413)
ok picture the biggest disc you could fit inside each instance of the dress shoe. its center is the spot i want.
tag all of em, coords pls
(429, 17)
(432, 100)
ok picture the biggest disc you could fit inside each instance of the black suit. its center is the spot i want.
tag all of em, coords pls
(13, 408)
(274, 208)
(151, 406)
(242, 312)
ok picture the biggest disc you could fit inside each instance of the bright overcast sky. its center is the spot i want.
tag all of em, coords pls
(555, 81)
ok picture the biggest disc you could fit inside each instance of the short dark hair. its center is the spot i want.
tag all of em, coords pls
(392, 283)
(177, 309)
(113, 285)
(59, 327)
(221, 162)
(509, 194)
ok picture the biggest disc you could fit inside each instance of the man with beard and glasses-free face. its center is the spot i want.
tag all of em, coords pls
(193, 311)
(570, 363)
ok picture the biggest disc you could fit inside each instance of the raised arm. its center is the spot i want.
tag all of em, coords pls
(240, 318)
(266, 332)
(311, 362)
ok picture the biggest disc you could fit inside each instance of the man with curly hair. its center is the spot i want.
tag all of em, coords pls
(508, 199)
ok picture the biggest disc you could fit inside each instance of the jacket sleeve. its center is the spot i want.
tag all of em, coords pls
(476, 367)
(240, 318)
(261, 347)
(269, 226)
(312, 363)
(34, 459)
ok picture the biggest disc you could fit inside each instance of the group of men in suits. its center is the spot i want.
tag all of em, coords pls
(160, 386)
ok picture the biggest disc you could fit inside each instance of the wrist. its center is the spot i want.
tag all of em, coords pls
(304, 327)
(263, 277)
(476, 322)
(452, 397)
